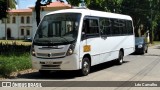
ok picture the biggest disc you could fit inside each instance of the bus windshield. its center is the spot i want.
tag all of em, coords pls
(58, 29)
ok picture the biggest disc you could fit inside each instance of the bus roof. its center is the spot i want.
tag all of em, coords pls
(89, 12)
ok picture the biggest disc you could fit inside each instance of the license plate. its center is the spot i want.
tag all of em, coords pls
(49, 63)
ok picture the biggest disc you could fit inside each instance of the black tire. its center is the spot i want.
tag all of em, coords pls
(44, 72)
(143, 52)
(120, 58)
(86, 65)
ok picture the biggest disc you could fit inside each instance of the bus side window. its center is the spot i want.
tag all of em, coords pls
(129, 27)
(85, 28)
(90, 28)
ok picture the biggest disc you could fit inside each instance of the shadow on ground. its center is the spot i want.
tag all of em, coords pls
(61, 75)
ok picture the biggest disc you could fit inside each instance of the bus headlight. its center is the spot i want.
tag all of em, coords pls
(70, 50)
(33, 51)
(140, 46)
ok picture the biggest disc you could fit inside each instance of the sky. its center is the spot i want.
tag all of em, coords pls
(23, 4)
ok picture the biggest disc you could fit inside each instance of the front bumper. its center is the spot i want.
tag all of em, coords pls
(139, 50)
(65, 63)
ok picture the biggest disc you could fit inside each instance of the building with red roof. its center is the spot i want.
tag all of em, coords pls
(21, 23)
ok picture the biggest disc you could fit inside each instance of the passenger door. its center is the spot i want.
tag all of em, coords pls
(90, 39)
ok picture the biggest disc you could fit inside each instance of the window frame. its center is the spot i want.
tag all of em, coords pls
(13, 19)
(102, 32)
(28, 20)
(28, 33)
(22, 19)
(22, 32)
(124, 32)
(94, 34)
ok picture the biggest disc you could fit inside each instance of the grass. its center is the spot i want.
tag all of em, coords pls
(12, 63)
(14, 56)
(156, 42)
(18, 42)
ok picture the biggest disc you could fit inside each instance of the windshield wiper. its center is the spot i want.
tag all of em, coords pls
(42, 34)
(64, 39)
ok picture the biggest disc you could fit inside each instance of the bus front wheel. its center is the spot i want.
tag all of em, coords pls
(85, 66)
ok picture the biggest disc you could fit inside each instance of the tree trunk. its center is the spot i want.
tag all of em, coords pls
(38, 17)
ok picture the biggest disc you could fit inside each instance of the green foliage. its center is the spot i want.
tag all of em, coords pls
(11, 4)
(3, 8)
(146, 12)
(9, 64)
(5, 5)
(74, 2)
(14, 57)
(13, 49)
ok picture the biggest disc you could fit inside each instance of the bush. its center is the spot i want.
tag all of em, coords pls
(14, 57)
(13, 49)
(14, 63)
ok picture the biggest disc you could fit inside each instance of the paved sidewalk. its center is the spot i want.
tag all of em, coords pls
(154, 50)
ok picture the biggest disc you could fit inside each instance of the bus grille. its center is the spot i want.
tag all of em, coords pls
(50, 55)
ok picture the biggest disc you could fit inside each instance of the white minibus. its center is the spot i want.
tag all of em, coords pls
(76, 39)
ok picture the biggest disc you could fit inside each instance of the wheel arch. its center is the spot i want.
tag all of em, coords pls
(89, 57)
(122, 50)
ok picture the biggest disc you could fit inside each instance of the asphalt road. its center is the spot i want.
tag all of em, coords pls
(135, 68)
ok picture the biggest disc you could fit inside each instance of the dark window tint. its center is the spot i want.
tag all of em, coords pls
(22, 31)
(105, 26)
(22, 19)
(28, 20)
(115, 27)
(28, 32)
(122, 27)
(90, 26)
(129, 27)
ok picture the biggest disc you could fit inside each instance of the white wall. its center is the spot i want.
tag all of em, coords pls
(2, 31)
(16, 27)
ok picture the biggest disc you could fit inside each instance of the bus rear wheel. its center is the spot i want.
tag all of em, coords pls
(120, 58)
(85, 67)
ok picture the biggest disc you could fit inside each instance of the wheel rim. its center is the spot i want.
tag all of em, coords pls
(121, 58)
(85, 67)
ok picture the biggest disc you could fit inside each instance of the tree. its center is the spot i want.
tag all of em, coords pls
(144, 12)
(3, 9)
(74, 2)
(101, 5)
(38, 8)
(6, 5)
